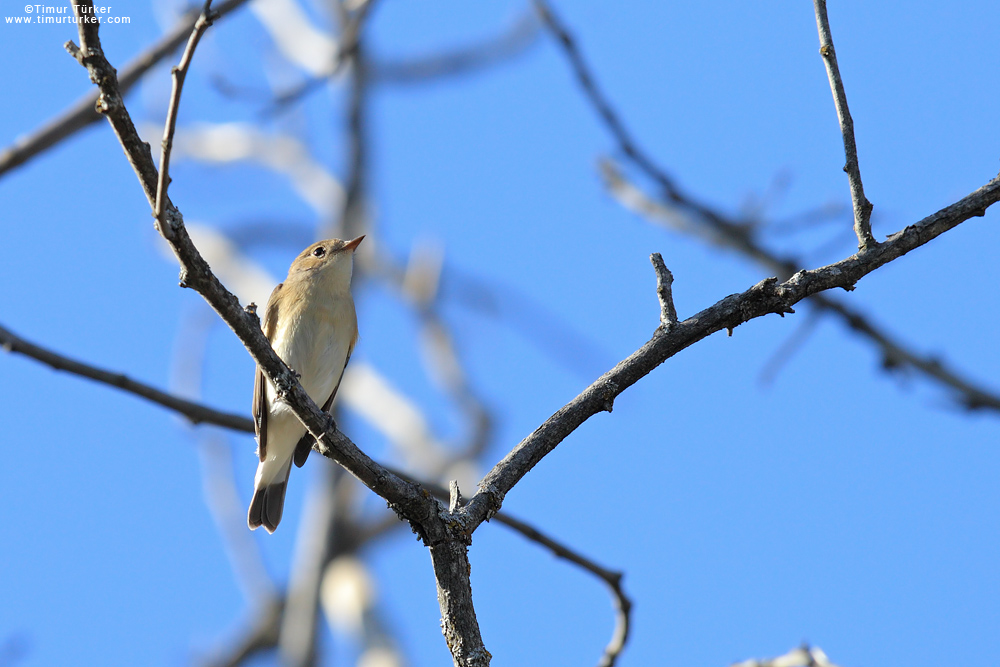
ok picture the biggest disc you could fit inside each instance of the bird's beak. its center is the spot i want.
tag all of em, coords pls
(352, 245)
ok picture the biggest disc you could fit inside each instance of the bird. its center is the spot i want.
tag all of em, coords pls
(312, 325)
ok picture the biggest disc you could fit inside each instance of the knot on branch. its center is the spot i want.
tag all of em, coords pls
(609, 392)
(767, 296)
(251, 310)
(284, 385)
(108, 104)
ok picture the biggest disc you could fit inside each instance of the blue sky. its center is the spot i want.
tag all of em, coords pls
(836, 505)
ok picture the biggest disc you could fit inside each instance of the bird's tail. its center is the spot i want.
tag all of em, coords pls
(268, 499)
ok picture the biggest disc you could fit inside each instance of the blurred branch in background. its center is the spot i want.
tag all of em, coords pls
(496, 50)
(83, 113)
(677, 211)
(449, 63)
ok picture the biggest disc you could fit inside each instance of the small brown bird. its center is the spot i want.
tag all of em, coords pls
(312, 326)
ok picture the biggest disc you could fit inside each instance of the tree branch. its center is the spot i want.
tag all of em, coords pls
(734, 234)
(458, 615)
(194, 412)
(895, 354)
(623, 605)
(768, 296)
(862, 207)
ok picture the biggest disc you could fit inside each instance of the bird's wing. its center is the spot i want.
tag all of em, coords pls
(260, 407)
(305, 443)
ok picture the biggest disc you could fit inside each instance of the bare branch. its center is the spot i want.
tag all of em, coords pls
(768, 296)
(196, 413)
(862, 207)
(447, 534)
(458, 615)
(623, 605)
(895, 354)
(83, 113)
(664, 281)
(178, 74)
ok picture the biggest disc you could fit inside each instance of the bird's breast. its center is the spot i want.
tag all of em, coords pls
(315, 339)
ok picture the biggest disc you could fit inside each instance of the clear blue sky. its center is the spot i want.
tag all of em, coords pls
(838, 505)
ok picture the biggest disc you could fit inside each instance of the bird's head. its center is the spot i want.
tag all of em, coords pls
(331, 261)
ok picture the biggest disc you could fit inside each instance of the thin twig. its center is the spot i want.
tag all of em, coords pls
(178, 75)
(664, 281)
(623, 605)
(862, 207)
(82, 113)
(194, 412)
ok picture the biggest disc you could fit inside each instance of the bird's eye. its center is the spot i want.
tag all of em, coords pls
(319, 251)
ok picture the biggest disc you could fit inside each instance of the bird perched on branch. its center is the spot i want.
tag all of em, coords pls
(311, 323)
